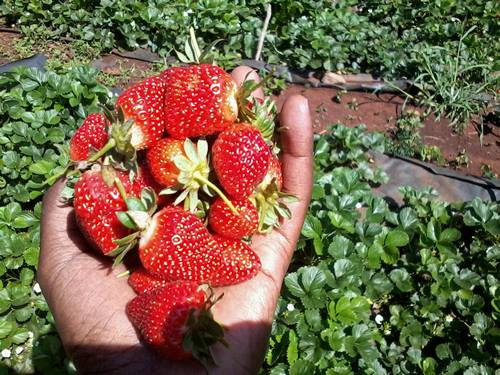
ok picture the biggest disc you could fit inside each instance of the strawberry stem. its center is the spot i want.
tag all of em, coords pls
(261, 204)
(108, 146)
(219, 192)
(123, 274)
(54, 178)
(121, 188)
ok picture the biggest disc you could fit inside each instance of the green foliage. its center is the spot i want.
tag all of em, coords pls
(387, 290)
(347, 35)
(406, 139)
(451, 83)
(38, 113)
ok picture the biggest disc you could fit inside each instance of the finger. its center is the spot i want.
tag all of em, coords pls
(297, 157)
(245, 73)
(57, 222)
(276, 249)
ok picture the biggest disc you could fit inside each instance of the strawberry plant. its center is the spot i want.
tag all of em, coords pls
(376, 288)
(38, 114)
(348, 35)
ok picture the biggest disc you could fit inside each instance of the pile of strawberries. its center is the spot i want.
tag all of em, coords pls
(183, 170)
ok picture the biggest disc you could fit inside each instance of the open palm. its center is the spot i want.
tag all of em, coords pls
(88, 300)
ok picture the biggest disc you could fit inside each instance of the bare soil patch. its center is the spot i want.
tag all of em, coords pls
(7, 51)
(380, 112)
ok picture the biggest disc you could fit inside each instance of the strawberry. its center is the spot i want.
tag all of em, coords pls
(143, 103)
(161, 163)
(96, 201)
(176, 320)
(183, 166)
(241, 159)
(270, 201)
(240, 262)
(90, 136)
(225, 223)
(150, 181)
(199, 100)
(274, 173)
(142, 281)
(177, 246)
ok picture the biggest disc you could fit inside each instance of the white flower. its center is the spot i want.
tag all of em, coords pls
(448, 319)
(19, 350)
(359, 205)
(31, 334)
(379, 319)
(290, 307)
(37, 289)
(6, 353)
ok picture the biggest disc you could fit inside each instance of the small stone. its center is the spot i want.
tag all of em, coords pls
(331, 78)
(361, 77)
(19, 350)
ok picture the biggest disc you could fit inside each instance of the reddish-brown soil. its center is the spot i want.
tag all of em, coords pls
(328, 106)
(7, 50)
(380, 112)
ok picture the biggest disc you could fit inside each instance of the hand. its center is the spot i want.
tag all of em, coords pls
(88, 300)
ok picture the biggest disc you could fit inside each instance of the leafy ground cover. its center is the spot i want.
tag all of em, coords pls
(376, 36)
(38, 113)
(372, 289)
(376, 289)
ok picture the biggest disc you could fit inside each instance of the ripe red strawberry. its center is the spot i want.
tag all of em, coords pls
(176, 320)
(183, 166)
(160, 159)
(241, 159)
(96, 201)
(199, 100)
(177, 246)
(239, 260)
(143, 103)
(274, 173)
(142, 281)
(150, 181)
(225, 223)
(91, 135)
(271, 202)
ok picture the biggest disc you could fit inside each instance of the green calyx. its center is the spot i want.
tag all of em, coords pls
(203, 332)
(263, 117)
(272, 206)
(120, 148)
(193, 175)
(137, 218)
(251, 110)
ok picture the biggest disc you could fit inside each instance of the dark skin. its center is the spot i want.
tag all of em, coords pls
(88, 300)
